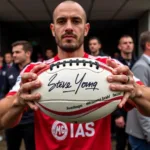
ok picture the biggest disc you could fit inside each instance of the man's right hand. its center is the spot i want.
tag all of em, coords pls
(120, 122)
(29, 82)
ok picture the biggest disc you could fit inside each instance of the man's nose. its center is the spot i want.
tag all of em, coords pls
(69, 26)
(14, 54)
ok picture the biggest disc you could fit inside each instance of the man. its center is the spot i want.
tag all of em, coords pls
(1, 81)
(21, 51)
(8, 59)
(5, 64)
(138, 126)
(2, 74)
(1, 61)
(95, 47)
(49, 54)
(126, 47)
(69, 28)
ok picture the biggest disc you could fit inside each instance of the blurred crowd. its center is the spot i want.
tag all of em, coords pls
(127, 134)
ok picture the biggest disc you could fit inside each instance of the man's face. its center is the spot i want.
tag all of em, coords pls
(69, 26)
(8, 58)
(49, 53)
(94, 45)
(126, 45)
(1, 59)
(19, 55)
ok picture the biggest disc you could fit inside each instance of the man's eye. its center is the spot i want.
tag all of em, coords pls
(61, 21)
(76, 21)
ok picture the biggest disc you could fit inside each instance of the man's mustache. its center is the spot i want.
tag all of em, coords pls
(66, 34)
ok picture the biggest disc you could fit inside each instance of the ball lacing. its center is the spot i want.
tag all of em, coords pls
(77, 62)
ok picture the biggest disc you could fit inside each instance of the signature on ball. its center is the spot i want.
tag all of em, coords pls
(55, 83)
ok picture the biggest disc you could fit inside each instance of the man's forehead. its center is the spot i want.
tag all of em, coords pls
(126, 39)
(17, 47)
(69, 10)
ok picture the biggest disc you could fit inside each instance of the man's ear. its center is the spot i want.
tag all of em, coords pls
(100, 46)
(87, 28)
(28, 53)
(52, 29)
(147, 45)
(119, 47)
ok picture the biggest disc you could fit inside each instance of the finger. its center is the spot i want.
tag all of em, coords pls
(124, 100)
(120, 78)
(112, 63)
(38, 67)
(122, 69)
(32, 105)
(25, 77)
(28, 86)
(121, 87)
(25, 97)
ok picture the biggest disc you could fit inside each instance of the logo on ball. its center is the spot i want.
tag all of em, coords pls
(59, 130)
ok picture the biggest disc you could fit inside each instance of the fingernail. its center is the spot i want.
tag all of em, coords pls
(112, 87)
(110, 78)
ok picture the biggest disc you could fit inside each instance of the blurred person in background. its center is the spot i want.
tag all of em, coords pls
(8, 59)
(138, 126)
(1, 74)
(1, 61)
(40, 57)
(95, 47)
(21, 51)
(1, 81)
(126, 47)
(5, 63)
(49, 54)
(116, 55)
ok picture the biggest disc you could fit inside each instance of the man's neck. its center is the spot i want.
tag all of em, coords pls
(126, 56)
(95, 53)
(78, 53)
(22, 65)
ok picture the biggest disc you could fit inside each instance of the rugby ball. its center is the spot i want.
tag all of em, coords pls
(76, 90)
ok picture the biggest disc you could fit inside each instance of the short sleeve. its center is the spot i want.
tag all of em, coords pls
(16, 87)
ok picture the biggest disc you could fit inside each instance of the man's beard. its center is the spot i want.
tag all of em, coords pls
(69, 46)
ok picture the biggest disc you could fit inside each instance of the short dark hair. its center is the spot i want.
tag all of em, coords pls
(49, 49)
(26, 45)
(8, 53)
(95, 38)
(144, 37)
(125, 36)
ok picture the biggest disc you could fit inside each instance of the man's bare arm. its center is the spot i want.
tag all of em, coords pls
(10, 113)
(12, 107)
